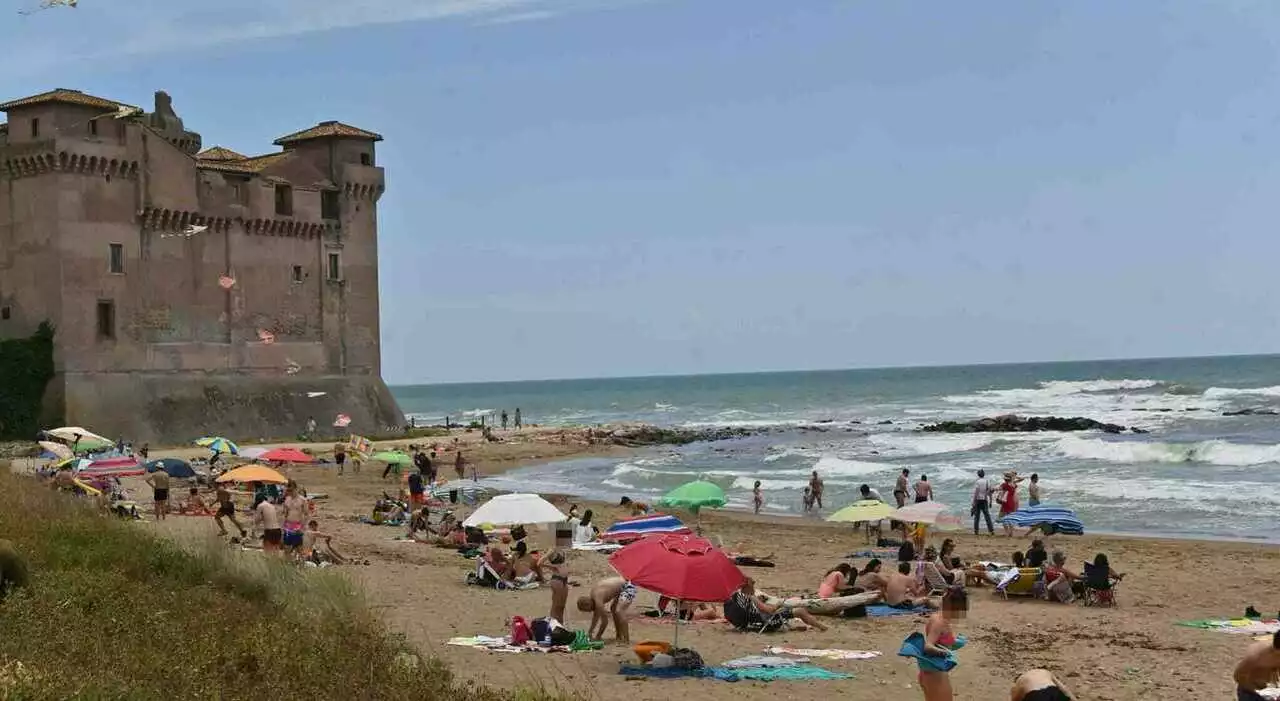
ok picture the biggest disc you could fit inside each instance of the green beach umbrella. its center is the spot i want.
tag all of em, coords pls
(393, 457)
(693, 496)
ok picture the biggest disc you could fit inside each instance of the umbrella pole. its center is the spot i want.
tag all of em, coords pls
(675, 640)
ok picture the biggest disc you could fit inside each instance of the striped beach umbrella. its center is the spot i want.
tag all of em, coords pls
(218, 444)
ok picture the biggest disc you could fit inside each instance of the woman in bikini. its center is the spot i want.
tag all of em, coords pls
(559, 583)
(939, 641)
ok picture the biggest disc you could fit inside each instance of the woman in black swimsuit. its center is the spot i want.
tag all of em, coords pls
(559, 583)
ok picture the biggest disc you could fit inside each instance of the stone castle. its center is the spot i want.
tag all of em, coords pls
(193, 292)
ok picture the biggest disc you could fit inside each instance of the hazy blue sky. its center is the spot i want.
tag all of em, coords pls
(619, 187)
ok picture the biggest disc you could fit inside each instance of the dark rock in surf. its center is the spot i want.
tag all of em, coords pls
(1252, 412)
(1011, 423)
(635, 436)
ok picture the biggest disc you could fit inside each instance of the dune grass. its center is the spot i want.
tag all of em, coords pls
(116, 612)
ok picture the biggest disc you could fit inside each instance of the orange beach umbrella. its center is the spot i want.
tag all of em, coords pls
(253, 473)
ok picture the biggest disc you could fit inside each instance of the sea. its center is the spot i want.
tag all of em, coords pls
(1197, 473)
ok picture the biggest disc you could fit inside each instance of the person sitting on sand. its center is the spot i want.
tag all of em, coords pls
(193, 505)
(525, 569)
(1102, 564)
(903, 591)
(1036, 554)
(1059, 581)
(835, 581)
(772, 617)
(585, 531)
(1039, 685)
(1259, 667)
(609, 598)
(871, 579)
(637, 508)
(318, 547)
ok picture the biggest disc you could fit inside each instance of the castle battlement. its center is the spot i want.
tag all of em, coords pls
(172, 272)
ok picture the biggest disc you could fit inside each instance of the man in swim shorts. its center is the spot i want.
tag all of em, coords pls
(295, 514)
(610, 598)
(268, 519)
(903, 590)
(226, 509)
(1039, 685)
(1259, 667)
(159, 481)
(900, 489)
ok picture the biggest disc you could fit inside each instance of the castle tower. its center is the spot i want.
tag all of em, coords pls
(192, 291)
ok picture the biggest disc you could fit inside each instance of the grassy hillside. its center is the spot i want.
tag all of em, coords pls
(114, 612)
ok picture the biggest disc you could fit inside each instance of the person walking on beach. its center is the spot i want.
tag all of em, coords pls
(226, 509)
(982, 503)
(519, 420)
(924, 490)
(1033, 490)
(1259, 667)
(815, 489)
(504, 419)
(900, 489)
(340, 457)
(757, 496)
(460, 465)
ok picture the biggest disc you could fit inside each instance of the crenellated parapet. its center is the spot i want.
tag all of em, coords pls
(283, 227)
(362, 191)
(34, 159)
(177, 221)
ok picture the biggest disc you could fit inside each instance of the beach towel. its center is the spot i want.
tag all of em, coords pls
(797, 673)
(762, 661)
(913, 646)
(826, 654)
(883, 611)
(880, 554)
(1248, 626)
(598, 547)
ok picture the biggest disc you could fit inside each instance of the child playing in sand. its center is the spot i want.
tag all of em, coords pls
(194, 505)
(939, 641)
(311, 553)
(610, 597)
(1259, 667)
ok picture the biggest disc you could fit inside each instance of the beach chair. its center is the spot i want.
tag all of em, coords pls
(933, 579)
(1099, 589)
(1027, 581)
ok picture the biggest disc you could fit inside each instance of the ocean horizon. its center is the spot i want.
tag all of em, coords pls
(1196, 473)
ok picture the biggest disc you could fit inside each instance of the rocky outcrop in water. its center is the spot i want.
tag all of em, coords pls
(1252, 412)
(1011, 423)
(635, 436)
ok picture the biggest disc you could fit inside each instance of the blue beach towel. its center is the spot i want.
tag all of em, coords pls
(882, 611)
(767, 674)
(913, 646)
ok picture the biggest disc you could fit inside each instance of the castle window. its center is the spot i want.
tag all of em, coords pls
(239, 190)
(117, 258)
(297, 274)
(106, 318)
(329, 204)
(366, 159)
(5, 313)
(335, 266)
(93, 127)
(35, 128)
(284, 200)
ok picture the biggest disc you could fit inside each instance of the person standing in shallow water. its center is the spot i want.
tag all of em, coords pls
(757, 497)
(1033, 491)
(982, 503)
(924, 490)
(504, 419)
(900, 489)
(519, 420)
(815, 489)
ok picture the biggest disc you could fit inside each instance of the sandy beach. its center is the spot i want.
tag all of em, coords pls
(1126, 653)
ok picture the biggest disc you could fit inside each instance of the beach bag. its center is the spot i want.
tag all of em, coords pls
(520, 631)
(859, 611)
(684, 658)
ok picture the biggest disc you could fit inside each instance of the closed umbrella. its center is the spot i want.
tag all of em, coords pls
(681, 567)
(253, 473)
(286, 455)
(515, 509)
(180, 469)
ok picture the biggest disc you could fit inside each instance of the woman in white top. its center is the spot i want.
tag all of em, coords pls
(585, 531)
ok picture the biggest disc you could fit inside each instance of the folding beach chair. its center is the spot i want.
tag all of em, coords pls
(1027, 581)
(1099, 589)
(933, 578)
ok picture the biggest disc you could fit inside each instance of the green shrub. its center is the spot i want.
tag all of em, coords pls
(114, 612)
(26, 366)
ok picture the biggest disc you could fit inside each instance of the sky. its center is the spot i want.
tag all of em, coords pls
(587, 188)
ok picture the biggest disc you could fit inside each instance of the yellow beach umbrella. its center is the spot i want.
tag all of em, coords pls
(253, 473)
(865, 510)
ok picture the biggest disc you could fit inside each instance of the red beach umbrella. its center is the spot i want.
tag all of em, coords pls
(684, 567)
(285, 455)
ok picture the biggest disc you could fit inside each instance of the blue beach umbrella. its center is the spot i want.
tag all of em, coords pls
(1063, 520)
(181, 469)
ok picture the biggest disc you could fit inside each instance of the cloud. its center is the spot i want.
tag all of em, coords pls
(148, 27)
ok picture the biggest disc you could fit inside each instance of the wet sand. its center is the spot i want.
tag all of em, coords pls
(1127, 653)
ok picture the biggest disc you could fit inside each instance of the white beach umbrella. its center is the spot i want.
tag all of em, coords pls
(515, 509)
(923, 512)
(71, 433)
